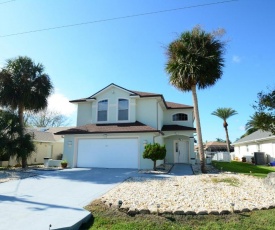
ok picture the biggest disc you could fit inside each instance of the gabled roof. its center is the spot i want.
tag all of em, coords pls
(258, 135)
(40, 136)
(134, 127)
(133, 93)
(46, 134)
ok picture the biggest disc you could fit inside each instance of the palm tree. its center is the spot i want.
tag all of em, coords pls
(225, 113)
(195, 59)
(11, 142)
(24, 87)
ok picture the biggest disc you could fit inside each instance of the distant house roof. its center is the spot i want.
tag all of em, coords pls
(46, 134)
(168, 105)
(215, 146)
(258, 135)
(134, 127)
(41, 136)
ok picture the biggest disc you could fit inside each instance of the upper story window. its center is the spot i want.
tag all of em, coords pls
(102, 110)
(180, 117)
(123, 109)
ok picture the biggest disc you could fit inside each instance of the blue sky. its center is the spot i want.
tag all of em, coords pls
(130, 52)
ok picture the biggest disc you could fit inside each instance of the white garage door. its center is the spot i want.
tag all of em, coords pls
(108, 153)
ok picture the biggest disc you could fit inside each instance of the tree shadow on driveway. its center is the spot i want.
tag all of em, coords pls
(44, 206)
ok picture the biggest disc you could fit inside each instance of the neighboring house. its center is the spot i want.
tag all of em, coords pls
(47, 144)
(258, 141)
(114, 125)
(215, 146)
(217, 151)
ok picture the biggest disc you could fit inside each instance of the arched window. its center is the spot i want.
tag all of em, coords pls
(180, 117)
(123, 109)
(102, 110)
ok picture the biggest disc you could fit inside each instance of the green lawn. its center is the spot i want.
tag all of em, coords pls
(107, 218)
(244, 167)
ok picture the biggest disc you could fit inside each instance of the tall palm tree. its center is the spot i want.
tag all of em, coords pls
(225, 113)
(195, 60)
(24, 87)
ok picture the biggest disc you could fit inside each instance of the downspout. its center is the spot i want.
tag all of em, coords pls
(157, 122)
(157, 115)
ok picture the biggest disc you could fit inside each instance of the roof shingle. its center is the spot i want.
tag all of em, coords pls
(259, 134)
(177, 128)
(135, 127)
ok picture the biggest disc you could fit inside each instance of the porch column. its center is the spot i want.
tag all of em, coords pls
(191, 148)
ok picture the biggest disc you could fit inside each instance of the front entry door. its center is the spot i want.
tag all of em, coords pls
(181, 152)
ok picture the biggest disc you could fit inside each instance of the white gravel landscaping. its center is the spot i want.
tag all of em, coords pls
(197, 194)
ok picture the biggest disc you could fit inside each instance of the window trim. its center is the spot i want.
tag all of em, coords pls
(121, 98)
(107, 110)
(179, 120)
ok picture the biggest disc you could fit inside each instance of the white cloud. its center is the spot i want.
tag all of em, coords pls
(242, 128)
(236, 59)
(59, 103)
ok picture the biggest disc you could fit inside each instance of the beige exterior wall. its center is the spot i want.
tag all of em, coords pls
(71, 146)
(43, 149)
(113, 94)
(84, 113)
(87, 111)
(168, 115)
(160, 117)
(146, 111)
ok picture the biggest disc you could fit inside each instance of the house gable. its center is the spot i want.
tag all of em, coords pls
(115, 104)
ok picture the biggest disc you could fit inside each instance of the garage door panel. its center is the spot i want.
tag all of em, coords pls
(108, 153)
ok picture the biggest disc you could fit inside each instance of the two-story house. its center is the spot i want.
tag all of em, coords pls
(114, 125)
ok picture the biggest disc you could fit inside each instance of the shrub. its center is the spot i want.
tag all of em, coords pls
(154, 152)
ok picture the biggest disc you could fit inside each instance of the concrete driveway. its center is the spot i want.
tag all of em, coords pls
(55, 198)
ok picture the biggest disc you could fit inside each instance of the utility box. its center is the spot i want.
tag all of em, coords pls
(260, 158)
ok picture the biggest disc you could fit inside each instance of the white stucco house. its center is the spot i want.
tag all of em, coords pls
(114, 125)
(258, 141)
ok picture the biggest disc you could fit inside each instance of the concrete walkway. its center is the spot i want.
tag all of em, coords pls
(181, 170)
(55, 198)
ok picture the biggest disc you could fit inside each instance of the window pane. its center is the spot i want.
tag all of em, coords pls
(102, 105)
(122, 104)
(123, 108)
(123, 115)
(102, 110)
(180, 117)
(102, 116)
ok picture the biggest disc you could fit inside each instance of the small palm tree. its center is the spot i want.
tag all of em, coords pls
(11, 142)
(195, 59)
(225, 113)
(24, 87)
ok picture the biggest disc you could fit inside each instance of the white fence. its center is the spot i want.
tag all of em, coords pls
(219, 156)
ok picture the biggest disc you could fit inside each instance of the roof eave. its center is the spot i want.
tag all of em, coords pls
(113, 132)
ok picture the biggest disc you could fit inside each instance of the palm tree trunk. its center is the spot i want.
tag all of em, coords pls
(198, 127)
(227, 139)
(21, 123)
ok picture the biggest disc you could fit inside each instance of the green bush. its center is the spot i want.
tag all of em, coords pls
(154, 152)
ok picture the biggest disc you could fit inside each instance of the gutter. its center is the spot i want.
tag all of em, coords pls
(256, 140)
